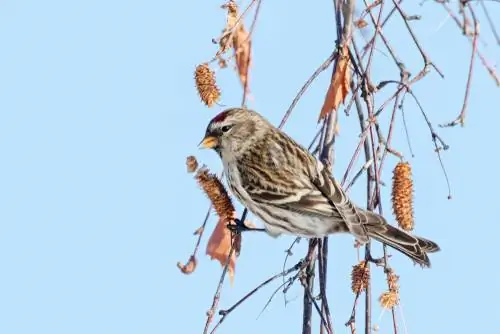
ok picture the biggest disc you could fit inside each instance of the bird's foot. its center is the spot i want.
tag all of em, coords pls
(240, 226)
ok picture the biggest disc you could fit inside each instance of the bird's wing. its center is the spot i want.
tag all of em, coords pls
(303, 185)
(354, 217)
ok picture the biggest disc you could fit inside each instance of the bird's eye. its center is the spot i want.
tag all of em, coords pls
(226, 128)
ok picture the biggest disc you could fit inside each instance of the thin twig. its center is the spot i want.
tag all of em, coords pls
(364, 168)
(369, 174)
(424, 55)
(225, 313)
(252, 28)
(407, 133)
(323, 271)
(435, 139)
(316, 306)
(491, 70)
(307, 282)
(461, 117)
(490, 21)
(215, 302)
(201, 230)
(288, 254)
(306, 85)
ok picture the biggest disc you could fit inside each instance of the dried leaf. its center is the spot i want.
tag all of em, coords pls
(339, 86)
(219, 246)
(242, 51)
(189, 267)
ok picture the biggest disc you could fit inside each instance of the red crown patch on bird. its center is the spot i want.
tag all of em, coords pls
(220, 117)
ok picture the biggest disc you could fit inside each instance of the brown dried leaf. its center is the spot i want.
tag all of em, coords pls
(219, 246)
(242, 51)
(189, 267)
(339, 86)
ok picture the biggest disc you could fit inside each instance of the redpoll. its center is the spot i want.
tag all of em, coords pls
(290, 190)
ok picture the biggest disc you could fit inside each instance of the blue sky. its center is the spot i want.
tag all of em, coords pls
(98, 112)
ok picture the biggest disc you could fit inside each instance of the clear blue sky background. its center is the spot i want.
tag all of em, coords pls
(98, 112)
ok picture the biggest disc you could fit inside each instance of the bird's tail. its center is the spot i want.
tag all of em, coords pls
(414, 247)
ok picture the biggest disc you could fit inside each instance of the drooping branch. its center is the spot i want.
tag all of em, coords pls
(351, 63)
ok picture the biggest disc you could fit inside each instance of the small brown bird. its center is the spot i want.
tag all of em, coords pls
(291, 191)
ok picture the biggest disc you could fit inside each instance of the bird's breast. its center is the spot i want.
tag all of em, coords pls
(234, 182)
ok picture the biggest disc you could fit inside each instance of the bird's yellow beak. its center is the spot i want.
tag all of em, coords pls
(209, 142)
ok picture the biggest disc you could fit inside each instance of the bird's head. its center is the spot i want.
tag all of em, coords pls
(233, 131)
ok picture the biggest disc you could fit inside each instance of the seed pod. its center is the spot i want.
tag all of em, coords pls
(402, 196)
(360, 276)
(392, 281)
(217, 194)
(206, 85)
(389, 299)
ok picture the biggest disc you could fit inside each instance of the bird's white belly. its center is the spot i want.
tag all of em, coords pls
(289, 222)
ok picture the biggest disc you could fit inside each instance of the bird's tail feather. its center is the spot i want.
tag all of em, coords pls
(414, 247)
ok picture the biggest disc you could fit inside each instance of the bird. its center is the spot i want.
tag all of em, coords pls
(292, 191)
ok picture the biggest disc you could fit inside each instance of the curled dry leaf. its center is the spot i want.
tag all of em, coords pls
(339, 86)
(189, 267)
